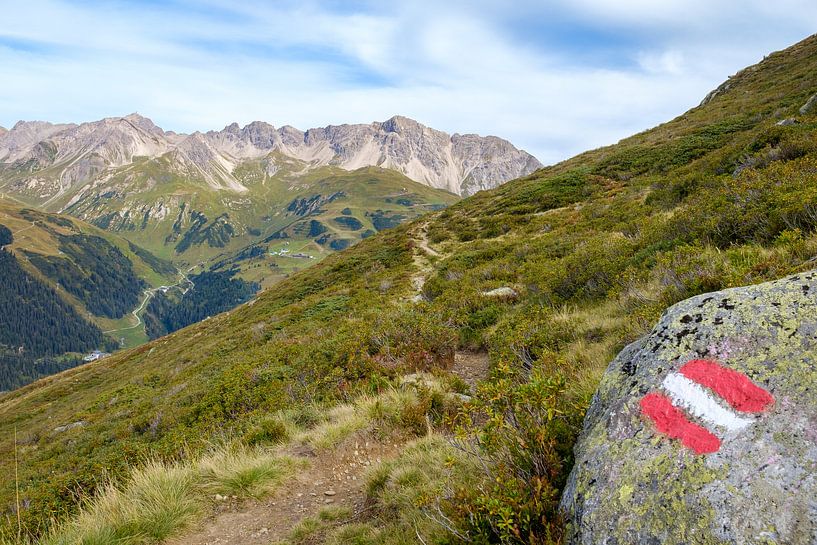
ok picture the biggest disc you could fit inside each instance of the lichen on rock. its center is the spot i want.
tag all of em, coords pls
(633, 484)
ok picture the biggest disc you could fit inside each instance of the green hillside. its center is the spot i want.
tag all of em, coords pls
(592, 249)
(179, 217)
(86, 281)
(328, 211)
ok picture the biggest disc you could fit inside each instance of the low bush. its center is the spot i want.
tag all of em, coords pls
(525, 447)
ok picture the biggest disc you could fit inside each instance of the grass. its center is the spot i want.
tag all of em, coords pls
(160, 500)
(401, 410)
(311, 527)
(243, 472)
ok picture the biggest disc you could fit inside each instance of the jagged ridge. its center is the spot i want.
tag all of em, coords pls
(49, 159)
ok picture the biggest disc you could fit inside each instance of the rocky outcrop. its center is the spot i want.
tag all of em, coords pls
(809, 106)
(462, 164)
(705, 431)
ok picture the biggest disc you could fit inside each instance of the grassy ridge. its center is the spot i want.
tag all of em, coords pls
(594, 249)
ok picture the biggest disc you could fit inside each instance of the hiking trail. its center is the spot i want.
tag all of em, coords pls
(334, 476)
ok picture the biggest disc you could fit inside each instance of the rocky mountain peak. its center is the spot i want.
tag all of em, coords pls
(399, 123)
(261, 134)
(232, 128)
(291, 136)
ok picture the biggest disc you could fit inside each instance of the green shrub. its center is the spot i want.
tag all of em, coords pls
(527, 442)
(268, 431)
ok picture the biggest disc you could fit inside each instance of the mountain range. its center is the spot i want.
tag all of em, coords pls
(198, 197)
(53, 164)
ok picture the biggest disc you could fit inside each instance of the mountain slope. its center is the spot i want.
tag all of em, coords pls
(551, 274)
(36, 327)
(91, 281)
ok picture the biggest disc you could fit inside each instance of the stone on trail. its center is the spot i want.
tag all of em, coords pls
(705, 430)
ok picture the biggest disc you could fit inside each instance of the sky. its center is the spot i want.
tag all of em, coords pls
(555, 77)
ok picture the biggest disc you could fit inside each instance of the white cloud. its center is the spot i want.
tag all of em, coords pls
(460, 67)
(666, 62)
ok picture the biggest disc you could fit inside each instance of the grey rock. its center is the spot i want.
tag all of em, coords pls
(809, 106)
(500, 293)
(631, 484)
(786, 122)
(71, 426)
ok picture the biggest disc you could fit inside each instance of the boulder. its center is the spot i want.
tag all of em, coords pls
(705, 430)
(71, 426)
(810, 105)
(500, 293)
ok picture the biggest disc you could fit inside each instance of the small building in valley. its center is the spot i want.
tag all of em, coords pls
(96, 355)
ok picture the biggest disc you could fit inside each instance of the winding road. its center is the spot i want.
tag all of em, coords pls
(150, 292)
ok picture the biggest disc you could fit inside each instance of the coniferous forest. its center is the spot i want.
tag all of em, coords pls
(5, 235)
(211, 294)
(33, 311)
(94, 271)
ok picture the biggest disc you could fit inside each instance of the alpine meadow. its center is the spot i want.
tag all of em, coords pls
(392, 335)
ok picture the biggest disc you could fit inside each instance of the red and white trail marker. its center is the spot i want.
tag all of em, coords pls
(711, 393)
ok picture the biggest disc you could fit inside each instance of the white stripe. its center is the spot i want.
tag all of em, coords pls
(700, 403)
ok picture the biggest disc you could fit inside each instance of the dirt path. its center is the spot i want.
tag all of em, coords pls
(422, 241)
(471, 367)
(24, 229)
(333, 477)
(421, 261)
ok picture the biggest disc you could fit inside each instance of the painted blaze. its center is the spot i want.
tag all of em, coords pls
(719, 398)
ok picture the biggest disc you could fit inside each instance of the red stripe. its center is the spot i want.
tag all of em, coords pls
(672, 422)
(734, 387)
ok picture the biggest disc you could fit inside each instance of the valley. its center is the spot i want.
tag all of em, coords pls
(241, 209)
(92, 276)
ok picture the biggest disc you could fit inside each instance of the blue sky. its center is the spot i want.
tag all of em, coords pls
(555, 77)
